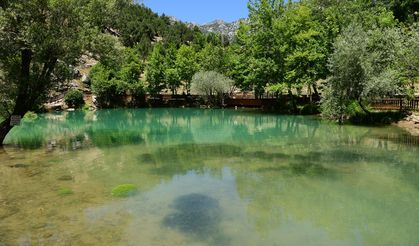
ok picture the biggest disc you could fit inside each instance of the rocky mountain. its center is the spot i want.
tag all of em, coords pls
(220, 26)
(217, 26)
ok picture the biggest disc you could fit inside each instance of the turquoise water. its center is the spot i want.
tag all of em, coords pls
(206, 177)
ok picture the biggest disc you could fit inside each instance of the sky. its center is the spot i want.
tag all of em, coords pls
(200, 11)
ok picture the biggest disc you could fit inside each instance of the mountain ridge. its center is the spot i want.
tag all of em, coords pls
(220, 26)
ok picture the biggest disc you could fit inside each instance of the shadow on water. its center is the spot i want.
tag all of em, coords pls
(177, 159)
(111, 138)
(301, 168)
(184, 152)
(199, 216)
(265, 155)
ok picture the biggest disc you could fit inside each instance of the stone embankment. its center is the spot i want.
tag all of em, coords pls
(410, 124)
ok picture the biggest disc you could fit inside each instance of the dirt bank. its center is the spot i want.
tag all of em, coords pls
(410, 124)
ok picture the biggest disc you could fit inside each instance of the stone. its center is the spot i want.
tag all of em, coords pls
(19, 165)
(85, 79)
(66, 178)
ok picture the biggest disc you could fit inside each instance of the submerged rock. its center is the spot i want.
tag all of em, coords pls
(19, 165)
(196, 214)
(65, 178)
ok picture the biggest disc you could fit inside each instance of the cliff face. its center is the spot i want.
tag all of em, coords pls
(228, 29)
(220, 26)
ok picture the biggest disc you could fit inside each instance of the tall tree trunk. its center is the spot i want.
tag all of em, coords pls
(23, 102)
(4, 130)
(363, 107)
(316, 92)
(294, 104)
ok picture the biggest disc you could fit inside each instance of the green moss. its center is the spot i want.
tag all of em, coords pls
(30, 116)
(124, 190)
(65, 192)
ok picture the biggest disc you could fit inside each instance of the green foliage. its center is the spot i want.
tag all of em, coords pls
(155, 70)
(302, 41)
(186, 64)
(124, 190)
(364, 66)
(30, 116)
(211, 84)
(74, 99)
(172, 79)
(111, 83)
(212, 58)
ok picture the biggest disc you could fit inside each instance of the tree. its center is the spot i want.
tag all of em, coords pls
(303, 43)
(211, 84)
(172, 79)
(363, 67)
(186, 65)
(117, 77)
(155, 70)
(40, 39)
(260, 44)
(212, 58)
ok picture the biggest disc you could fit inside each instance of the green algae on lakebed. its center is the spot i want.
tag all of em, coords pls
(124, 190)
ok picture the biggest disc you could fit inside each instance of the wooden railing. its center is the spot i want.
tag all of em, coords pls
(396, 103)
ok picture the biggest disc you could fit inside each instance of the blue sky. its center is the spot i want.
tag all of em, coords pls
(200, 11)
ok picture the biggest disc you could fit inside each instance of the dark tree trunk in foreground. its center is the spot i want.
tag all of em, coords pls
(26, 97)
(4, 129)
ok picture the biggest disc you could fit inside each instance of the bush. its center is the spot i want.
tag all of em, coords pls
(211, 84)
(74, 99)
(30, 116)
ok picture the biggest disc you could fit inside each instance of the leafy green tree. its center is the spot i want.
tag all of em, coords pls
(364, 67)
(114, 79)
(172, 79)
(212, 58)
(39, 40)
(155, 70)
(260, 44)
(186, 64)
(303, 44)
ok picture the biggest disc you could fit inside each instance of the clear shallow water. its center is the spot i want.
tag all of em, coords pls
(207, 177)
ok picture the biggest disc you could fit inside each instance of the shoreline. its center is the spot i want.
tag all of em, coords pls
(410, 124)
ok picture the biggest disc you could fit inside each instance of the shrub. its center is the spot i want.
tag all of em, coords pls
(74, 99)
(211, 84)
(30, 116)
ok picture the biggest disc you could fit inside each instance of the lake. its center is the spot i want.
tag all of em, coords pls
(206, 177)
